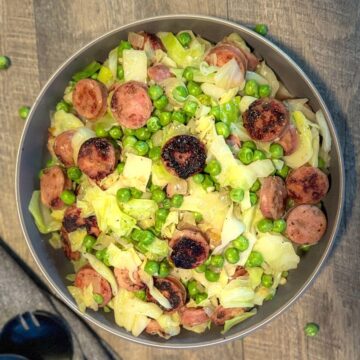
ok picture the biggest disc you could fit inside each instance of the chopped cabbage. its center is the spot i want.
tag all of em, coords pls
(245, 254)
(301, 105)
(113, 62)
(237, 293)
(212, 288)
(103, 241)
(270, 76)
(80, 136)
(245, 203)
(157, 250)
(200, 328)
(105, 76)
(76, 239)
(237, 320)
(207, 69)
(169, 226)
(170, 323)
(140, 209)
(162, 57)
(230, 76)
(326, 137)
(84, 297)
(137, 171)
(169, 85)
(315, 145)
(135, 65)
(255, 274)
(55, 240)
(62, 121)
(237, 40)
(245, 102)
(250, 75)
(214, 91)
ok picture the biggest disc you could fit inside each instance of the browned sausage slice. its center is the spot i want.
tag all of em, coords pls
(184, 156)
(189, 249)
(97, 158)
(148, 41)
(252, 60)
(63, 148)
(289, 140)
(71, 255)
(86, 276)
(53, 182)
(305, 224)
(72, 219)
(154, 328)
(124, 281)
(307, 185)
(131, 105)
(239, 271)
(92, 226)
(273, 196)
(266, 119)
(89, 98)
(220, 315)
(159, 72)
(193, 316)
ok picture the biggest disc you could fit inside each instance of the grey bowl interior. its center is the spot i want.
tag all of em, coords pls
(33, 154)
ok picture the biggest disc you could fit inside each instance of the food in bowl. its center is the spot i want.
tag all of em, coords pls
(183, 180)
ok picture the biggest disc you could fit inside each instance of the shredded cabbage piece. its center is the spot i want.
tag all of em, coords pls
(84, 297)
(270, 76)
(324, 151)
(135, 65)
(170, 323)
(76, 239)
(237, 293)
(237, 320)
(140, 209)
(81, 135)
(137, 172)
(62, 121)
(169, 226)
(230, 76)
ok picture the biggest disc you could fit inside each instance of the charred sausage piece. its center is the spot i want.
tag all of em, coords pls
(184, 156)
(289, 140)
(239, 271)
(154, 328)
(252, 60)
(266, 119)
(145, 41)
(72, 219)
(131, 105)
(71, 255)
(63, 148)
(193, 316)
(189, 249)
(159, 72)
(273, 196)
(53, 182)
(307, 185)
(97, 158)
(220, 315)
(86, 276)
(89, 98)
(124, 281)
(305, 224)
(91, 225)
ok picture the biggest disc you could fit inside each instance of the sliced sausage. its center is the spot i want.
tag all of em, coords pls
(239, 271)
(220, 315)
(184, 156)
(53, 182)
(71, 255)
(63, 148)
(193, 316)
(307, 185)
(89, 98)
(91, 225)
(266, 119)
(131, 105)
(190, 249)
(305, 224)
(273, 196)
(154, 328)
(97, 158)
(124, 281)
(148, 41)
(289, 140)
(72, 219)
(159, 72)
(234, 143)
(86, 276)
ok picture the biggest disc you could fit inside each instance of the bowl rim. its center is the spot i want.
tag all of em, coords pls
(336, 144)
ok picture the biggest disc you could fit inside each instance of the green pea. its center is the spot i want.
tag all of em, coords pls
(261, 29)
(89, 242)
(100, 130)
(251, 88)
(152, 267)
(207, 183)
(304, 248)
(147, 237)
(50, 162)
(253, 198)
(215, 111)
(204, 99)
(140, 294)
(217, 261)
(259, 155)
(279, 226)
(155, 92)
(222, 129)
(267, 280)
(141, 147)
(241, 243)
(200, 297)
(94, 76)
(178, 116)
(190, 107)
(129, 132)
(201, 268)
(115, 132)
(100, 254)
(283, 172)
(164, 269)
(24, 112)
(124, 45)
(74, 173)
(161, 102)
(120, 167)
(321, 163)
(158, 195)
(237, 195)
(143, 133)
(249, 144)
(123, 195)
(229, 112)
(255, 259)
(194, 88)
(120, 72)
(311, 329)
(177, 200)
(255, 186)
(276, 151)
(264, 91)
(246, 155)
(136, 235)
(265, 225)
(5, 62)
(166, 204)
(198, 178)
(62, 105)
(285, 274)
(155, 153)
(98, 298)
(135, 193)
(192, 288)
(211, 276)
(68, 197)
(184, 38)
(188, 73)
(198, 217)
(180, 93)
(141, 247)
(213, 168)
(153, 124)
(165, 118)
(162, 214)
(232, 255)
(207, 261)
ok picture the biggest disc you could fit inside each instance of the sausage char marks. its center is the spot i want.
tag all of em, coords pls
(307, 185)
(184, 156)
(149, 41)
(266, 119)
(220, 315)
(63, 148)
(71, 255)
(97, 158)
(190, 249)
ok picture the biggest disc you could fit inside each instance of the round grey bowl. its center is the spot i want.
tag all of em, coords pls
(33, 154)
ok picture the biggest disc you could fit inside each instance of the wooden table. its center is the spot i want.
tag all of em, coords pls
(322, 36)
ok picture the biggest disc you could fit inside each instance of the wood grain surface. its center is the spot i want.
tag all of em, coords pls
(323, 36)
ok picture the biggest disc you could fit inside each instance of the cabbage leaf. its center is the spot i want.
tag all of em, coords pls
(237, 320)
(135, 65)
(137, 171)
(140, 209)
(237, 293)
(62, 121)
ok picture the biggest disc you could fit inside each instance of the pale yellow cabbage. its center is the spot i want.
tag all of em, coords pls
(237, 320)
(237, 293)
(135, 65)
(62, 121)
(76, 239)
(137, 171)
(84, 297)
